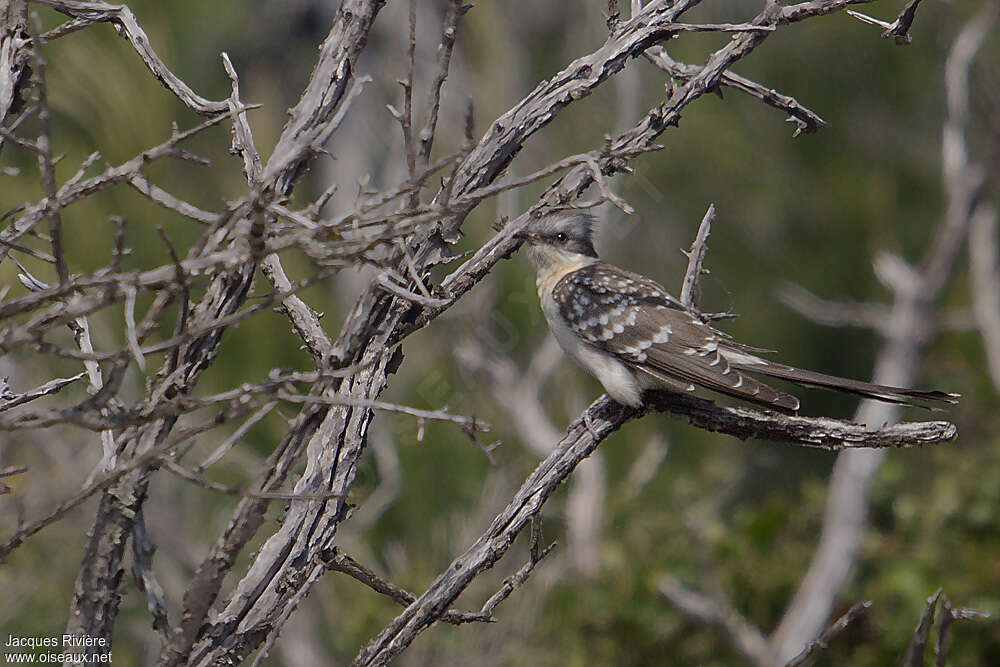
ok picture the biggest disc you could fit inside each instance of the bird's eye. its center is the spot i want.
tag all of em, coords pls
(561, 237)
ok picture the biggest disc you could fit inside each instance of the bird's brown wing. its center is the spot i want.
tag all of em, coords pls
(640, 323)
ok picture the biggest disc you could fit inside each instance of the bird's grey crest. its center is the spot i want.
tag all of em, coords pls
(572, 231)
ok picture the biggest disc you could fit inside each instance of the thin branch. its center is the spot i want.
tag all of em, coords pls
(388, 284)
(200, 480)
(696, 257)
(45, 161)
(453, 15)
(820, 432)
(145, 577)
(336, 560)
(813, 648)
(918, 643)
(229, 442)
(128, 27)
(984, 261)
(899, 29)
(243, 142)
(806, 121)
(406, 118)
(11, 400)
(516, 580)
(74, 191)
(100, 482)
(470, 424)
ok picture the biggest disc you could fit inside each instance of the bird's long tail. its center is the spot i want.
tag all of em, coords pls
(879, 392)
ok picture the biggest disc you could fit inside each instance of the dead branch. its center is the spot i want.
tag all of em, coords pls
(337, 560)
(820, 432)
(696, 257)
(124, 21)
(806, 121)
(899, 29)
(12, 400)
(813, 648)
(14, 53)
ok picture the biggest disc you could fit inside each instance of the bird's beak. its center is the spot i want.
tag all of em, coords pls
(527, 237)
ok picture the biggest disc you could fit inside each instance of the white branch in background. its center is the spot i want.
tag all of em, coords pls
(911, 321)
(748, 639)
(984, 258)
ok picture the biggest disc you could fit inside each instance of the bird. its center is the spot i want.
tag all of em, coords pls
(632, 335)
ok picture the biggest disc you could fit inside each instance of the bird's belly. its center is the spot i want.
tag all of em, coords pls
(619, 380)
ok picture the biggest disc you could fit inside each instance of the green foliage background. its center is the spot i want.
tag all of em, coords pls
(814, 211)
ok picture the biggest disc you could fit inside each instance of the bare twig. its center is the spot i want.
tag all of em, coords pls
(805, 120)
(950, 614)
(45, 161)
(74, 191)
(984, 256)
(469, 423)
(229, 442)
(899, 29)
(200, 480)
(696, 256)
(9, 399)
(516, 580)
(337, 560)
(453, 14)
(128, 27)
(915, 651)
(813, 648)
(145, 577)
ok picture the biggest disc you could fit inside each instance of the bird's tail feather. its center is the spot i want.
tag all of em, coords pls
(879, 392)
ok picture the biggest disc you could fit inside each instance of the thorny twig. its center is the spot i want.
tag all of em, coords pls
(813, 648)
(696, 257)
(337, 560)
(899, 29)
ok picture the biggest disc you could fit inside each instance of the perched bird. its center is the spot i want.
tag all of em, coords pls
(632, 335)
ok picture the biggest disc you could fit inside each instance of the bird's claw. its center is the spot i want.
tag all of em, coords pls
(591, 427)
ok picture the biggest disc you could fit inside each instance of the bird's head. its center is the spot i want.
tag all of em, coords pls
(565, 237)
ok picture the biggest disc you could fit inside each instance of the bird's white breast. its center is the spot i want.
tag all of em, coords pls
(618, 380)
